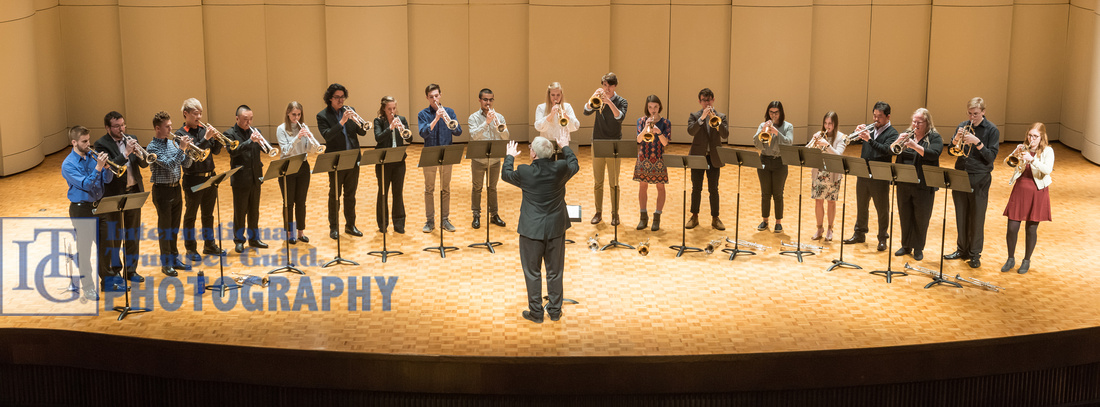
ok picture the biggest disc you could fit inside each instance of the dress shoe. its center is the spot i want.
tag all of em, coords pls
(135, 277)
(692, 222)
(957, 255)
(429, 226)
(176, 263)
(257, 243)
(1024, 266)
(112, 284)
(856, 238)
(818, 234)
(881, 246)
(974, 263)
(829, 235)
(614, 219)
(597, 218)
(656, 222)
(352, 230)
(902, 251)
(446, 225)
(556, 317)
(399, 229)
(169, 271)
(334, 234)
(918, 255)
(476, 224)
(1011, 262)
(717, 224)
(239, 247)
(292, 240)
(212, 248)
(303, 238)
(194, 255)
(778, 228)
(496, 220)
(527, 315)
(643, 221)
(762, 226)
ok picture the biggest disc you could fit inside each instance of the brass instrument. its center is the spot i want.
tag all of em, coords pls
(713, 244)
(649, 133)
(803, 246)
(919, 269)
(313, 143)
(243, 279)
(643, 248)
(594, 243)
(899, 145)
(595, 101)
(981, 284)
(225, 141)
(142, 153)
(958, 147)
(501, 127)
(562, 120)
(404, 132)
(193, 151)
(118, 169)
(813, 141)
(756, 246)
(359, 120)
(713, 120)
(764, 135)
(451, 123)
(1017, 156)
(849, 139)
(264, 145)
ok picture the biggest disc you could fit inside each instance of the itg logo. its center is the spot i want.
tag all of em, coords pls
(40, 270)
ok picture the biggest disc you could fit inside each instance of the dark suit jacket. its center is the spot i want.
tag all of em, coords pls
(115, 187)
(383, 136)
(878, 149)
(328, 121)
(247, 156)
(705, 139)
(542, 215)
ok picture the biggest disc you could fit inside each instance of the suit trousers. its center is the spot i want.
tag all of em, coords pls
(879, 190)
(533, 254)
(394, 185)
(194, 202)
(246, 209)
(444, 191)
(970, 214)
(294, 188)
(122, 246)
(348, 182)
(612, 166)
(712, 189)
(168, 200)
(478, 170)
(773, 177)
(83, 248)
(914, 212)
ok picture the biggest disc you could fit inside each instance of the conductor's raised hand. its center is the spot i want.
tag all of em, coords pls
(513, 149)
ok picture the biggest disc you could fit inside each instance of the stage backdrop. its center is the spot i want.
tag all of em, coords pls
(69, 62)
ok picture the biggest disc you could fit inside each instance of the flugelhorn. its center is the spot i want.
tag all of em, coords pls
(118, 169)
(197, 155)
(225, 141)
(713, 245)
(359, 120)
(313, 143)
(899, 145)
(451, 123)
(958, 147)
(594, 243)
(264, 145)
(801, 246)
(144, 154)
(713, 118)
(643, 248)
(562, 120)
(756, 246)
(979, 283)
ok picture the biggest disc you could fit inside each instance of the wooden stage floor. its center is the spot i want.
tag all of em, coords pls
(469, 303)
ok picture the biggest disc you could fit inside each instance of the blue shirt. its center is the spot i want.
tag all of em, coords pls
(440, 135)
(85, 183)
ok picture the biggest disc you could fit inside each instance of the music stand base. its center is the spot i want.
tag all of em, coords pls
(487, 245)
(442, 250)
(941, 280)
(287, 269)
(616, 243)
(339, 260)
(889, 274)
(223, 287)
(798, 253)
(384, 253)
(734, 252)
(124, 311)
(842, 263)
(680, 250)
(563, 301)
(569, 241)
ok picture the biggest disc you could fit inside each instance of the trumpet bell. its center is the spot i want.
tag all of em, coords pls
(643, 248)
(150, 158)
(647, 137)
(451, 124)
(1012, 161)
(501, 128)
(765, 137)
(406, 134)
(896, 148)
(563, 121)
(118, 169)
(715, 121)
(596, 103)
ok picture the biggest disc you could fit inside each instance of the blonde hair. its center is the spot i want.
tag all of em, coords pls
(191, 105)
(554, 85)
(286, 116)
(976, 102)
(927, 116)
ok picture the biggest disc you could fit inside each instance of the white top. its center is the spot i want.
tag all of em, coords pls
(289, 144)
(1041, 167)
(549, 127)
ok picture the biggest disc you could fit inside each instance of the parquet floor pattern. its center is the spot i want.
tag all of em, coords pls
(470, 302)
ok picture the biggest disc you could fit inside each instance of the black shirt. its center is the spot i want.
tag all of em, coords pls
(607, 127)
(198, 138)
(980, 161)
(933, 146)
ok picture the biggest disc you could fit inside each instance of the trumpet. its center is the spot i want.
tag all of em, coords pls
(958, 147)
(145, 155)
(243, 279)
(803, 246)
(756, 246)
(501, 127)
(594, 243)
(643, 248)
(649, 133)
(404, 132)
(118, 169)
(596, 102)
(1017, 157)
(713, 244)
(920, 269)
(813, 141)
(899, 145)
(562, 120)
(451, 123)
(225, 141)
(193, 151)
(264, 145)
(313, 143)
(981, 284)
(713, 118)
(359, 120)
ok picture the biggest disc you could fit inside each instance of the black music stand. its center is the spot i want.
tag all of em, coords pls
(279, 169)
(214, 182)
(894, 173)
(743, 158)
(846, 166)
(440, 156)
(948, 179)
(801, 157)
(330, 162)
(685, 161)
(119, 203)
(614, 149)
(383, 156)
(487, 149)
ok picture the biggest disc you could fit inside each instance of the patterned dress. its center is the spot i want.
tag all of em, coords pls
(826, 185)
(651, 166)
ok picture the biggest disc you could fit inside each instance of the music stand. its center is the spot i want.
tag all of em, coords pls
(331, 162)
(685, 161)
(439, 156)
(214, 182)
(383, 156)
(801, 157)
(846, 166)
(487, 149)
(614, 149)
(279, 169)
(743, 158)
(119, 203)
(894, 173)
(948, 179)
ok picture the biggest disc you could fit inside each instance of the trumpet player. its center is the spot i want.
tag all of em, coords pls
(915, 200)
(165, 176)
(608, 125)
(341, 132)
(438, 128)
(970, 207)
(650, 168)
(773, 173)
(548, 115)
(246, 181)
(704, 142)
(826, 185)
(198, 173)
(1029, 200)
(485, 125)
(294, 139)
(391, 130)
(86, 173)
(876, 147)
(122, 149)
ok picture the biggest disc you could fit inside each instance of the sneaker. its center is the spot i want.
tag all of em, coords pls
(446, 225)
(762, 226)
(429, 226)
(778, 228)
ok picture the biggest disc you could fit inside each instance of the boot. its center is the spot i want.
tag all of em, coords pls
(692, 222)
(644, 220)
(656, 221)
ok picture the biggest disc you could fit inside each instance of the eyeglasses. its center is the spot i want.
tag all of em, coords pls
(341, 97)
(773, 112)
(118, 126)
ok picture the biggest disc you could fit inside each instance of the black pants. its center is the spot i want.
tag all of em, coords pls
(879, 190)
(84, 247)
(348, 181)
(246, 208)
(970, 214)
(712, 188)
(169, 203)
(773, 177)
(914, 211)
(394, 185)
(122, 245)
(533, 254)
(294, 190)
(193, 203)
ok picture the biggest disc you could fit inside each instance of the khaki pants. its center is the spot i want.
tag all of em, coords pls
(612, 165)
(444, 191)
(477, 170)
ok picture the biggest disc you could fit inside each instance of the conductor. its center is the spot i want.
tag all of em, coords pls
(543, 220)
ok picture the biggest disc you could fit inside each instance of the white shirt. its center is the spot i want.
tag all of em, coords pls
(549, 127)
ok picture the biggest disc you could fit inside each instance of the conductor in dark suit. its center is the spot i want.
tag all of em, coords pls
(704, 142)
(122, 149)
(246, 181)
(543, 220)
(876, 147)
(341, 133)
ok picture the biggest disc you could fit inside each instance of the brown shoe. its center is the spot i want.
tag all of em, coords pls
(614, 219)
(597, 218)
(717, 224)
(692, 222)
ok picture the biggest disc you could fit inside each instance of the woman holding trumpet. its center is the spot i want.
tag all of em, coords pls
(654, 132)
(390, 130)
(294, 139)
(555, 117)
(1030, 198)
(826, 185)
(772, 133)
(920, 146)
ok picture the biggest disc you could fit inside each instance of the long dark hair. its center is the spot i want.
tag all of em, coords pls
(830, 135)
(782, 115)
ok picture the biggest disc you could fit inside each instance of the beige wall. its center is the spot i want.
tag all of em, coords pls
(83, 58)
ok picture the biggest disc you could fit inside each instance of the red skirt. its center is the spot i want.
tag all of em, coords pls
(1027, 202)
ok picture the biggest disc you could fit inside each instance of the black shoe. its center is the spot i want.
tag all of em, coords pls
(762, 226)
(304, 239)
(958, 254)
(476, 224)
(1024, 266)
(176, 263)
(1009, 264)
(527, 316)
(169, 271)
(902, 251)
(211, 248)
(778, 228)
(974, 263)
(918, 255)
(334, 234)
(881, 246)
(112, 284)
(496, 220)
(135, 277)
(555, 317)
(194, 255)
(858, 238)
(257, 243)
(239, 247)
(292, 240)
(399, 229)
(352, 230)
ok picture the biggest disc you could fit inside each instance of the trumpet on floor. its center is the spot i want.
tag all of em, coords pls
(594, 243)
(193, 151)
(740, 242)
(643, 248)
(979, 283)
(225, 141)
(243, 279)
(919, 269)
(713, 245)
(802, 246)
(899, 145)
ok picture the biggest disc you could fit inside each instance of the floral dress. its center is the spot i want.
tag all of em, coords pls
(826, 185)
(650, 167)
